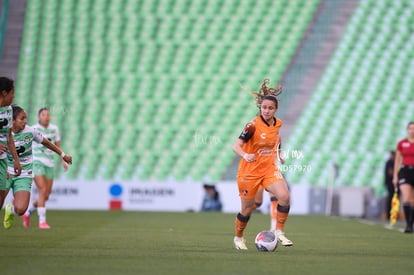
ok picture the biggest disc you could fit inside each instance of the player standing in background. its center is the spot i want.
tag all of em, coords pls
(388, 176)
(43, 166)
(273, 200)
(256, 147)
(24, 136)
(6, 139)
(404, 175)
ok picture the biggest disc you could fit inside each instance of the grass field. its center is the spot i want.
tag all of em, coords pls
(89, 242)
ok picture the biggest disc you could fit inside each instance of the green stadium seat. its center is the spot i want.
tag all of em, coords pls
(143, 77)
(360, 83)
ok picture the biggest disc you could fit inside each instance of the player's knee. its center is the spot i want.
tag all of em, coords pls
(19, 210)
(284, 199)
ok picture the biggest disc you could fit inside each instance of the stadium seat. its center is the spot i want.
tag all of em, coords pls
(360, 101)
(131, 83)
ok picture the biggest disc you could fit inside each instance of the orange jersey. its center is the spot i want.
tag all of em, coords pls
(262, 140)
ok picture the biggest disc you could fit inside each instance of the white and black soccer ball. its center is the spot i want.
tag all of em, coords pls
(266, 241)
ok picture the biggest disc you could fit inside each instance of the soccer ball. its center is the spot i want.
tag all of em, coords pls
(266, 241)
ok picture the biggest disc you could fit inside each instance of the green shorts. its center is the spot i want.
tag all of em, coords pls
(3, 174)
(20, 184)
(40, 169)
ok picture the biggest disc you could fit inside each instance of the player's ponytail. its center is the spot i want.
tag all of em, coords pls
(266, 93)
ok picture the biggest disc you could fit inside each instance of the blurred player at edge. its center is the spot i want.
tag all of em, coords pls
(43, 168)
(24, 136)
(256, 147)
(273, 200)
(6, 138)
(404, 175)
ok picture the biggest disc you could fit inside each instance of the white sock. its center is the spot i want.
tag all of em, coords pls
(12, 210)
(41, 211)
(272, 225)
(30, 210)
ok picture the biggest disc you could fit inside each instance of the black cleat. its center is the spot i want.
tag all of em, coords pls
(408, 229)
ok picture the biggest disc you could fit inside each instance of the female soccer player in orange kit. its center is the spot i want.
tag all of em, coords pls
(257, 146)
(258, 200)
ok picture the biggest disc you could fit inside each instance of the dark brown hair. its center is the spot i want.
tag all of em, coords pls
(16, 110)
(272, 98)
(41, 110)
(6, 84)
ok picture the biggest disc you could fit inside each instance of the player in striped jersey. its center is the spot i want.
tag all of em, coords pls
(6, 139)
(24, 136)
(43, 168)
(256, 146)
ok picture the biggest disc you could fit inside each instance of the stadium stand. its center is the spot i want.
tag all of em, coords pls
(363, 102)
(3, 20)
(150, 89)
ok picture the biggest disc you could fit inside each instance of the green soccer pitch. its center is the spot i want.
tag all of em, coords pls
(94, 242)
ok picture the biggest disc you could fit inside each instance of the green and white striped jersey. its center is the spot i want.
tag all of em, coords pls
(23, 141)
(6, 120)
(40, 152)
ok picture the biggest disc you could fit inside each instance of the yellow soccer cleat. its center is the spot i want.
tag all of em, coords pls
(8, 217)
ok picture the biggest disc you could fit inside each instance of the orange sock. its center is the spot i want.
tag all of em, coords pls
(281, 216)
(273, 213)
(241, 223)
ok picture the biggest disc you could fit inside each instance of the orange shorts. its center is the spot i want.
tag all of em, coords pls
(248, 186)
